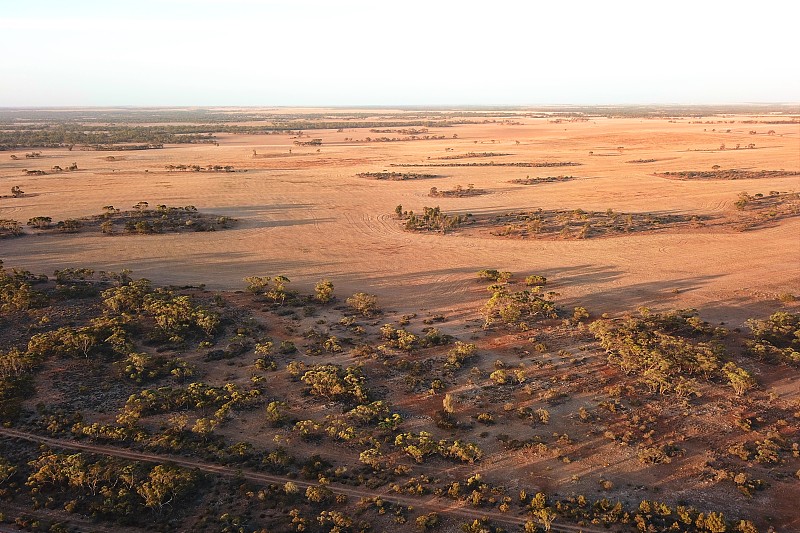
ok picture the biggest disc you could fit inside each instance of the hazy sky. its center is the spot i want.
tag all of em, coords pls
(384, 52)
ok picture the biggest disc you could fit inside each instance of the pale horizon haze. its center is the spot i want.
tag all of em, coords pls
(413, 53)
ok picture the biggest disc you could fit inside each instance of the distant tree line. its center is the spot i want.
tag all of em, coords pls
(493, 164)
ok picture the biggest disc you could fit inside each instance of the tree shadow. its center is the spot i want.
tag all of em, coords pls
(736, 311)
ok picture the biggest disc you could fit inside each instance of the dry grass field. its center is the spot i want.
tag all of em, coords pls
(308, 215)
(549, 399)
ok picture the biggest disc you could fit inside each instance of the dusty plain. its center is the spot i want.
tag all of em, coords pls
(304, 212)
(307, 214)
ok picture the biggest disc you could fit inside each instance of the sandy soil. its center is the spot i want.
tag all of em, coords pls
(308, 216)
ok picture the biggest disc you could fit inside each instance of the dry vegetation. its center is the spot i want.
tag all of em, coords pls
(329, 401)
(470, 155)
(731, 174)
(527, 180)
(523, 164)
(575, 224)
(752, 212)
(396, 176)
(327, 365)
(140, 220)
(459, 191)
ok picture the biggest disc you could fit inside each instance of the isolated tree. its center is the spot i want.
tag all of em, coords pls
(741, 380)
(545, 517)
(6, 470)
(323, 291)
(164, 484)
(40, 222)
(428, 521)
(363, 303)
(16, 192)
(257, 284)
(278, 293)
(448, 403)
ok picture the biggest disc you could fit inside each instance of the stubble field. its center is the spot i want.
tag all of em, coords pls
(308, 214)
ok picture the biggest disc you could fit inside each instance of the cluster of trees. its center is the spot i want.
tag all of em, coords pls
(395, 176)
(194, 396)
(491, 274)
(142, 367)
(199, 168)
(140, 220)
(105, 336)
(10, 228)
(17, 367)
(72, 168)
(776, 339)
(760, 209)
(459, 354)
(423, 444)
(55, 132)
(517, 308)
(312, 142)
(470, 155)
(543, 511)
(108, 486)
(730, 174)
(398, 139)
(101, 136)
(458, 192)
(30, 155)
(542, 164)
(402, 339)
(580, 224)
(346, 385)
(273, 288)
(403, 131)
(663, 351)
(16, 381)
(364, 304)
(176, 317)
(128, 147)
(16, 291)
(527, 180)
(431, 219)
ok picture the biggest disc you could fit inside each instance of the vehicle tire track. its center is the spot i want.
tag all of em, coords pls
(432, 503)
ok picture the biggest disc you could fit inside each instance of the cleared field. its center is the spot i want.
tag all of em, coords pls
(504, 332)
(304, 212)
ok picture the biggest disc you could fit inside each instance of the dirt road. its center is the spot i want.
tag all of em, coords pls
(432, 503)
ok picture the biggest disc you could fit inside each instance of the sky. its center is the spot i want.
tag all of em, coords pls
(398, 52)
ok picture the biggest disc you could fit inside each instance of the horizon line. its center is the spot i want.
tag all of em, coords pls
(405, 106)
